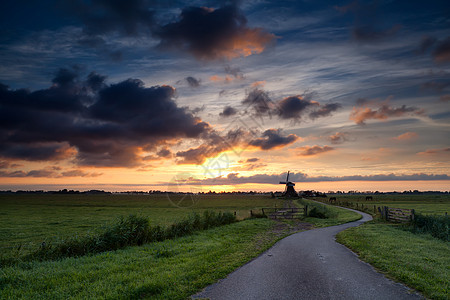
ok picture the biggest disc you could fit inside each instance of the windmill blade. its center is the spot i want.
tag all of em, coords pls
(287, 178)
(282, 182)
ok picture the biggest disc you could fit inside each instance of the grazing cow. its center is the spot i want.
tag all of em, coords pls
(369, 198)
(332, 200)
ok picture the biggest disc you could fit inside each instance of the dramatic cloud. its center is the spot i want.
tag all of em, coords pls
(406, 136)
(92, 122)
(213, 145)
(338, 138)
(49, 172)
(294, 107)
(313, 150)
(192, 81)
(442, 51)
(259, 101)
(290, 108)
(325, 111)
(373, 109)
(228, 111)
(273, 139)
(235, 179)
(211, 34)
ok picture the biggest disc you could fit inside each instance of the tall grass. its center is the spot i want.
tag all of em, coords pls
(437, 226)
(129, 231)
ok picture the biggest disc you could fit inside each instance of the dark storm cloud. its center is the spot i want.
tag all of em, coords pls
(234, 178)
(273, 139)
(210, 34)
(228, 111)
(442, 51)
(193, 82)
(259, 101)
(294, 107)
(325, 110)
(90, 121)
(380, 110)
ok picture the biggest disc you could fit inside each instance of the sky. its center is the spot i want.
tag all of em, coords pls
(224, 95)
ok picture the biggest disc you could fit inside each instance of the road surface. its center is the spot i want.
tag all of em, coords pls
(308, 265)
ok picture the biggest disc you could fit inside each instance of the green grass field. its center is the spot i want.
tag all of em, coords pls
(424, 204)
(29, 220)
(171, 269)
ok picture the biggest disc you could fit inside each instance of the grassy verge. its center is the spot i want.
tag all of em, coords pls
(336, 215)
(418, 260)
(171, 269)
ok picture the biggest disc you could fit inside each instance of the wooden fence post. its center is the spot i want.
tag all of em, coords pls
(386, 213)
(262, 209)
(306, 210)
(413, 215)
(251, 213)
(375, 209)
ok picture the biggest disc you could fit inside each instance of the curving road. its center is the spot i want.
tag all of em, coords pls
(308, 265)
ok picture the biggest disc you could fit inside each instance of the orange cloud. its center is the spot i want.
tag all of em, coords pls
(258, 83)
(434, 151)
(313, 150)
(406, 136)
(226, 79)
(373, 109)
(249, 41)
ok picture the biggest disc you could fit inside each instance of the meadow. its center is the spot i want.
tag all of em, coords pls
(170, 269)
(424, 204)
(28, 220)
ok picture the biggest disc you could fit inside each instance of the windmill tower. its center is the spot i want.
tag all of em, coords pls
(289, 191)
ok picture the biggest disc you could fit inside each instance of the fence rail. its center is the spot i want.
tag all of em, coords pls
(399, 215)
(281, 213)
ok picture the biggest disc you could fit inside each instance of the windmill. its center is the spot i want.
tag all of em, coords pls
(289, 191)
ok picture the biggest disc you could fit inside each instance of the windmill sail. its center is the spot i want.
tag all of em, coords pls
(289, 190)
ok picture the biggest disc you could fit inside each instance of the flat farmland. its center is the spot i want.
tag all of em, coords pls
(424, 204)
(27, 220)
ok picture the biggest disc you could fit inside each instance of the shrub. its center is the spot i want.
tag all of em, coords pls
(130, 231)
(315, 212)
(318, 210)
(437, 226)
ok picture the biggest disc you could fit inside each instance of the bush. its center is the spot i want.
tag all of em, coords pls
(130, 231)
(315, 212)
(437, 226)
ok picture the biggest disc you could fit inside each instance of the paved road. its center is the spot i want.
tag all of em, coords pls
(308, 265)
